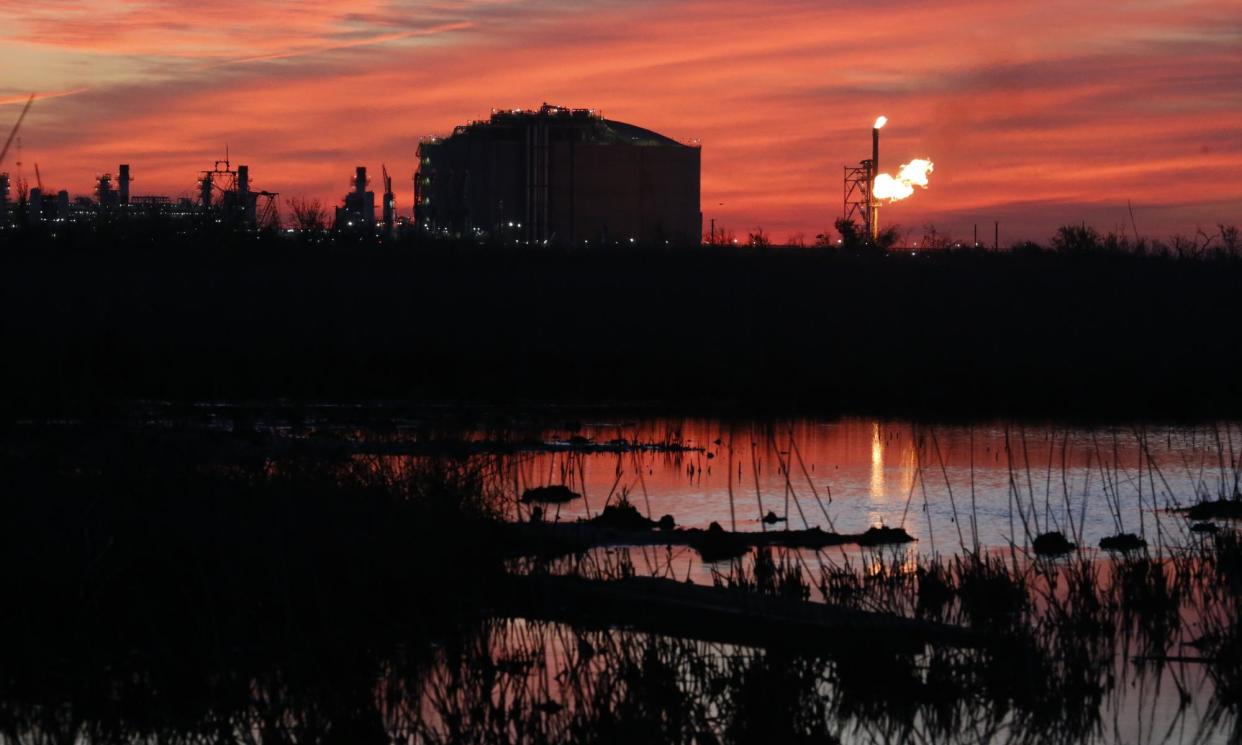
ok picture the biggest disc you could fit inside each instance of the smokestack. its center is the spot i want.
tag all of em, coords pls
(390, 202)
(204, 190)
(124, 184)
(243, 179)
(360, 180)
(875, 171)
(875, 151)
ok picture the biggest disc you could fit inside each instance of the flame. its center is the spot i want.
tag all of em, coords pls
(881, 121)
(912, 174)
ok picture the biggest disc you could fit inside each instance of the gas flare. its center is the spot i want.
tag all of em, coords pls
(880, 121)
(895, 188)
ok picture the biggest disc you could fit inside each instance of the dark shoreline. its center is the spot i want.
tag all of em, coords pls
(745, 332)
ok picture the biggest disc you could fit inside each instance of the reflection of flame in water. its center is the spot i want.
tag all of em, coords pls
(907, 466)
(897, 562)
(877, 462)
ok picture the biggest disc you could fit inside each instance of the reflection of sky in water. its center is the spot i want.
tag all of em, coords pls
(943, 483)
(851, 474)
(1143, 704)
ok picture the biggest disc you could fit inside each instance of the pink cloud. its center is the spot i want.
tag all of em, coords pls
(1067, 103)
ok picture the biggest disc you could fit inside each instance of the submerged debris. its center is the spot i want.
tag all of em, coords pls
(624, 516)
(1052, 544)
(717, 544)
(1216, 509)
(1122, 542)
(556, 494)
(884, 536)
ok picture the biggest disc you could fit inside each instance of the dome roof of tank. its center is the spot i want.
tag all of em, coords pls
(587, 125)
(631, 134)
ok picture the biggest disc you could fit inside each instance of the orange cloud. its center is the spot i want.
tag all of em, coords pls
(41, 95)
(1033, 114)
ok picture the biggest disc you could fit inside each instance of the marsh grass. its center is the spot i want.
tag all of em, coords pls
(165, 594)
(158, 592)
(780, 577)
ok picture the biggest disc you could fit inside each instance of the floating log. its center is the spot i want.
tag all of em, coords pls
(555, 494)
(713, 544)
(721, 615)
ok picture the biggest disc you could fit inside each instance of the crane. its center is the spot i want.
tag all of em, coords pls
(12, 134)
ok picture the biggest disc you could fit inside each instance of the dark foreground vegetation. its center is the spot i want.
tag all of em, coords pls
(152, 591)
(156, 589)
(1086, 330)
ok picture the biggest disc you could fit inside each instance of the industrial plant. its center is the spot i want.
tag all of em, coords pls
(558, 176)
(553, 176)
(224, 196)
(357, 210)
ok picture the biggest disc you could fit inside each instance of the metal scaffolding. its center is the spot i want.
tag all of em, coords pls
(858, 204)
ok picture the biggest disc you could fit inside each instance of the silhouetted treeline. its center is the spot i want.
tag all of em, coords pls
(1076, 333)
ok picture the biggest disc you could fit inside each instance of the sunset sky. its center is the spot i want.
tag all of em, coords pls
(1035, 113)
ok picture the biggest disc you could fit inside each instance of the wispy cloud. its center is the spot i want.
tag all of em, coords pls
(1060, 102)
(366, 41)
(22, 99)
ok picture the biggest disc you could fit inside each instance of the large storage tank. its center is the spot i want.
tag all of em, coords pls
(561, 177)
